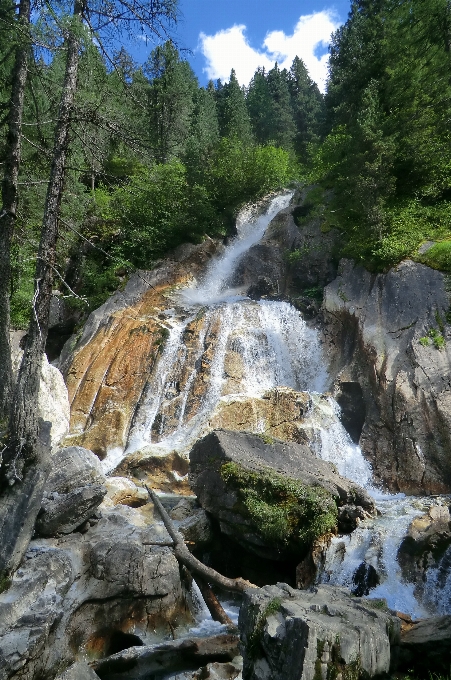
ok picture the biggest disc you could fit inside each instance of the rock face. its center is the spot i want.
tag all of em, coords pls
(74, 489)
(53, 398)
(90, 594)
(427, 547)
(289, 634)
(388, 339)
(290, 258)
(225, 497)
(110, 364)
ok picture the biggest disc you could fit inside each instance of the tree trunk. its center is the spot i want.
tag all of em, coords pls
(236, 585)
(9, 200)
(26, 455)
(214, 606)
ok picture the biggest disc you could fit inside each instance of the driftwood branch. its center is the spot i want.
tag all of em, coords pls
(236, 585)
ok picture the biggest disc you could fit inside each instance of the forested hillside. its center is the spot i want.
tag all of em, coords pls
(387, 153)
(154, 160)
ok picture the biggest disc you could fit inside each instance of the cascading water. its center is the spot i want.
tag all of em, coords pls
(214, 324)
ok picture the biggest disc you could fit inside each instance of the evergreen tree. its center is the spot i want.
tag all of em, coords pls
(282, 128)
(171, 101)
(232, 111)
(259, 105)
(204, 133)
(308, 108)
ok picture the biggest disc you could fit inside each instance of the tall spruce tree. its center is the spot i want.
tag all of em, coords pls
(282, 128)
(308, 108)
(171, 101)
(232, 111)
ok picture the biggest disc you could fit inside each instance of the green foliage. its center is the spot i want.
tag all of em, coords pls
(285, 511)
(5, 582)
(435, 336)
(438, 256)
(387, 152)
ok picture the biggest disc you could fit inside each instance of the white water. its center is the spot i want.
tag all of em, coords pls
(275, 348)
(213, 288)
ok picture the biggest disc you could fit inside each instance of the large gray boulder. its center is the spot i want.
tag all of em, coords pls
(87, 595)
(244, 481)
(73, 491)
(426, 647)
(290, 634)
(389, 343)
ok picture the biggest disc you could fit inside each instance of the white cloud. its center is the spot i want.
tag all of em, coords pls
(230, 48)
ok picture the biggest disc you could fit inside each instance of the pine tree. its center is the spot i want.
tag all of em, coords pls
(232, 111)
(204, 133)
(171, 101)
(282, 129)
(308, 108)
(259, 105)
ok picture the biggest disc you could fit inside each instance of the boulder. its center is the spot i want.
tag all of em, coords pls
(388, 338)
(74, 489)
(426, 646)
(425, 554)
(244, 482)
(290, 634)
(90, 595)
(122, 491)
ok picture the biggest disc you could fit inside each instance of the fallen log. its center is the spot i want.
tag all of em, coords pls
(140, 663)
(235, 585)
(214, 606)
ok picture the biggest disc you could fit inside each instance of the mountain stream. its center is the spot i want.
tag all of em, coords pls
(213, 319)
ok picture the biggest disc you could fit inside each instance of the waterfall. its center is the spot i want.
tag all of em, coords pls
(224, 346)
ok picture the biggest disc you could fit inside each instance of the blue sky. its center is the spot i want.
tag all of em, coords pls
(244, 34)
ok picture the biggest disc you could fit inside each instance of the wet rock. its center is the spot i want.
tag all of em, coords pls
(78, 671)
(427, 548)
(349, 518)
(179, 655)
(119, 347)
(295, 635)
(364, 579)
(90, 594)
(262, 267)
(426, 647)
(262, 287)
(74, 489)
(251, 453)
(378, 329)
(122, 491)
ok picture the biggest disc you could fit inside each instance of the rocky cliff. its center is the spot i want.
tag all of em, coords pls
(388, 343)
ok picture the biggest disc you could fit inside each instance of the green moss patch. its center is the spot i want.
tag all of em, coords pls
(438, 256)
(284, 511)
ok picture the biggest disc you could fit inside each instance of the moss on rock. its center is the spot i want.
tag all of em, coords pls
(284, 511)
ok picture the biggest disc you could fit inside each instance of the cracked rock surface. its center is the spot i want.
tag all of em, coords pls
(388, 335)
(82, 595)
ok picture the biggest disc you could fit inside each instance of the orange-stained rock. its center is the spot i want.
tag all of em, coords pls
(113, 360)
